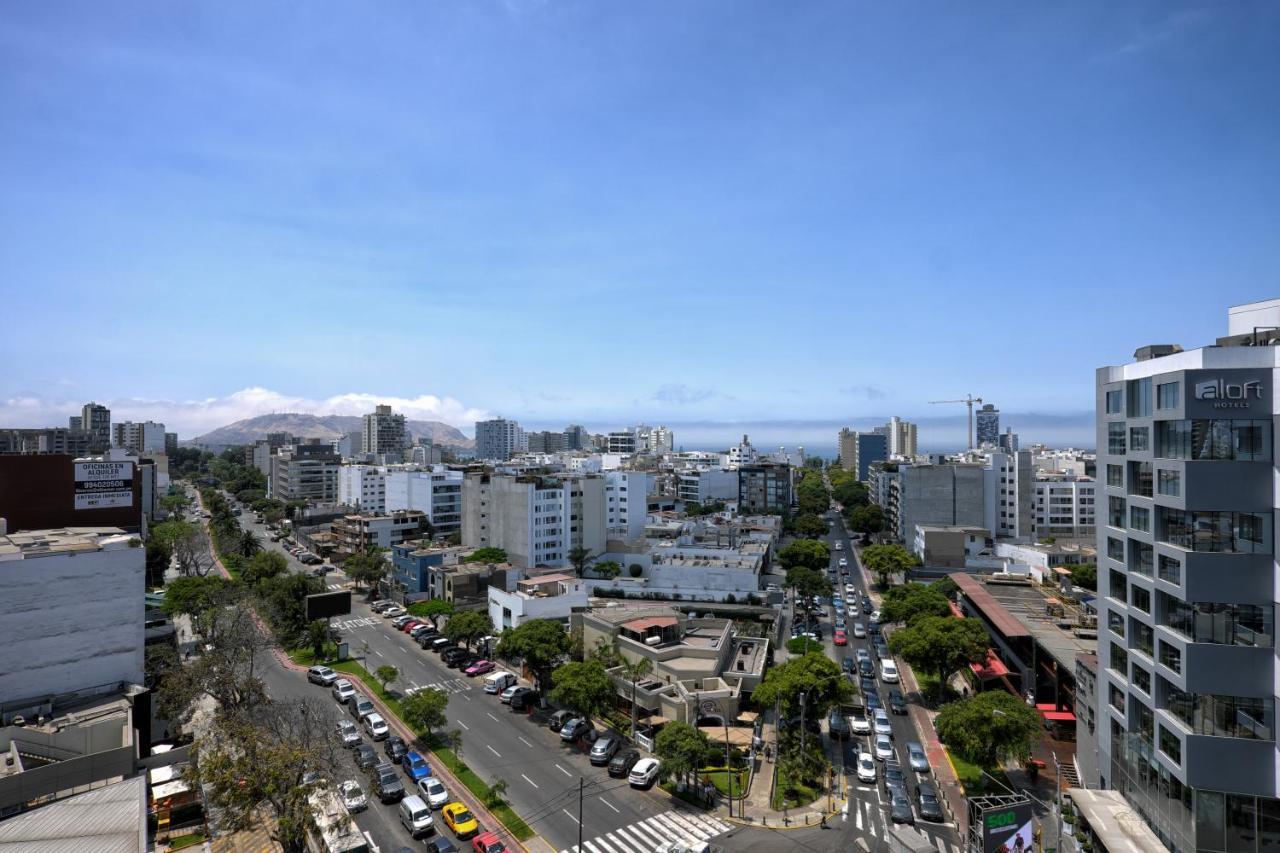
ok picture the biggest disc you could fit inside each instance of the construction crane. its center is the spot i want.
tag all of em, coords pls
(968, 400)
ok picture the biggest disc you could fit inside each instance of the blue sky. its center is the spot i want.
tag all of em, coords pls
(714, 213)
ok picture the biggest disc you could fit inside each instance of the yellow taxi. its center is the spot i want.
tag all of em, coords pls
(459, 818)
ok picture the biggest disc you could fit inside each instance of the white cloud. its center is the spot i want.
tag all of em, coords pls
(193, 417)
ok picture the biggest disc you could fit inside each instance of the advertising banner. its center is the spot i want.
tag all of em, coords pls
(99, 485)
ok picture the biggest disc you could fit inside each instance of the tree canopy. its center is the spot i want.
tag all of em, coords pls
(681, 748)
(989, 728)
(887, 560)
(264, 565)
(606, 569)
(583, 686)
(193, 595)
(940, 645)
(815, 675)
(809, 553)
(366, 568)
(1085, 575)
(431, 609)
(907, 602)
(866, 518)
(467, 627)
(539, 642)
(807, 582)
(809, 525)
(425, 709)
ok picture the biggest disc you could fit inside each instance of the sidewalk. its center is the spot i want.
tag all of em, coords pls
(755, 809)
(944, 775)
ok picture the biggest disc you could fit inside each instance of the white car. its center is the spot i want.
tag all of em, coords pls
(401, 620)
(866, 768)
(844, 564)
(433, 792)
(321, 675)
(353, 796)
(875, 617)
(348, 733)
(859, 630)
(506, 695)
(880, 722)
(851, 590)
(376, 726)
(644, 772)
(884, 748)
(888, 671)
(860, 723)
(393, 612)
(343, 690)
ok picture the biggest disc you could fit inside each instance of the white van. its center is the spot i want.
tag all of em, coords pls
(498, 681)
(415, 814)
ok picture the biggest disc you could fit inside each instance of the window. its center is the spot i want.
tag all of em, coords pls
(1139, 438)
(1140, 479)
(1143, 636)
(1115, 511)
(1141, 558)
(1141, 679)
(1171, 656)
(1140, 398)
(1167, 395)
(1115, 475)
(1140, 598)
(1222, 716)
(1115, 622)
(1115, 402)
(1119, 586)
(1169, 482)
(1225, 624)
(1115, 438)
(1220, 439)
(1170, 570)
(1170, 745)
(1232, 532)
(1116, 697)
(1140, 518)
(1120, 660)
(1115, 549)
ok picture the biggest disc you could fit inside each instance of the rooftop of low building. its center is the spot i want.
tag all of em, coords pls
(27, 544)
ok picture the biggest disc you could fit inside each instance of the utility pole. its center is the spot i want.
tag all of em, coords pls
(582, 784)
(802, 729)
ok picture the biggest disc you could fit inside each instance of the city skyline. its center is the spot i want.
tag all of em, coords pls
(559, 223)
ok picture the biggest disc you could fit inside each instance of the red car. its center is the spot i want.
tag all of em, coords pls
(410, 625)
(487, 842)
(480, 667)
(839, 639)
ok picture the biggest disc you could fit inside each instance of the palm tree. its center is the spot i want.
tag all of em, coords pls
(635, 670)
(579, 556)
(249, 544)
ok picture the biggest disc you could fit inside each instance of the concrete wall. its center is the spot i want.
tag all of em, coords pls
(942, 496)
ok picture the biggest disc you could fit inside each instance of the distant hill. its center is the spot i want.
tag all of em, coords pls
(250, 430)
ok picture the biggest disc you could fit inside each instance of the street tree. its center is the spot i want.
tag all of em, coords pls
(867, 518)
(946, 586)
(189, 546)
(940, 645)
(249, 544)
(317, 638)
(431, 609)
(191, 596)
(809, 525)
(468, 626)
(366, 568)
(494, 791)
(386, 674)
(816, 676)
(990, 728)
(579, 557)
(907, 602)
(540, 643)
(583, 686)
(284, 601)
(424, 710)
(885, 561)
(809, 553)
(681, 748)
(635, 671)
(262, 566)
(227, 669)
(807, 582)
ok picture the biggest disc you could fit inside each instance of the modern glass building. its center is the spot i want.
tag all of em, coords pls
(1187, 585)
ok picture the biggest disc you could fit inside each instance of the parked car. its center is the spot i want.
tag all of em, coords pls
(480, 667)
(900, 809)
(433, 791)
(916, 758)
(883, 748)
(574, 729)
(522, 698)
(366, 756)
(880, 722)
(557, 720)
(415, 816)
(866, 768)
(602, 751)
(928, 804)
(395, 748)
(451, 657)
(897, 702)
(622, 762)
(644, 772)
(496, 682)
(441, 844)
(487, 842)
(507, 693)
(343, 690)
(405, 624)
(321, 675)
(415, 765)
(376, 726)
(381, 605)
(459, 819)
(348, 733)
(426, 638)
(386, 784)
(421, 628)
(353, 796)
(837, 725)
(360, 706)
(888, 671)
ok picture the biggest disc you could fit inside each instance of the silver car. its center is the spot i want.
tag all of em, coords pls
(916, 758)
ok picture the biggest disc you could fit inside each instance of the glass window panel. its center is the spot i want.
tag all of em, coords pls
(1115, 475)
(1167, 394)
(1140, 398)
(1140, 518)
(1140, 478)
(1171, 656)
(1139, 439)
(1242, 834)
(1115, 402)
(1169, 482)
(1170, 569)
(1115, 438)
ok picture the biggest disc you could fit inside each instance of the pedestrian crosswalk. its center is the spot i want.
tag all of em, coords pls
(870, 819)
(647, 835)
(450, 686)
(337, 586)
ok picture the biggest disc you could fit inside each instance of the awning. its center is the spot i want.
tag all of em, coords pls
(655, 720)
(955, 610)
(993, 667)
(739, 737)
(1053, 715)
(749, 716)
(169, 789)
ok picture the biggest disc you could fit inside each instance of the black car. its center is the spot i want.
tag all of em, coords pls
(366, 756)
(523, 698)
(837, 724)
(927, 802)
(620, 764)
(900, 809)
(882, 649)
(893, 777)
(897, 702)
(453, 655)
(465, 660)
(866, 606)
(395, 748)
(427, 638)
(848, 665)
(387, 784)
(872, 698)
(440, 844)
(865, 683)
(866, 669)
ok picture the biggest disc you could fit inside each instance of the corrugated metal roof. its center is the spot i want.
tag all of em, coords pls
(1000, 618)
(109, 820)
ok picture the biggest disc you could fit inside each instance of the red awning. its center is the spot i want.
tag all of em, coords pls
(1053, 715)
(955, 610)
(992, 668)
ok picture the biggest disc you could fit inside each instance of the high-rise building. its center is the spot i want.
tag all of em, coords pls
(139, 438)
(846, 449)
(546, 442)
(869, 448)
(306, 471)
(97, 420)
(75, 422)
(536, 520)
(576, 437)
(384, 433)
(764, 487)
(1187, 586)
(170, 442)
(1009, 441)
(987, 425)
(498, 439)
(902, 438)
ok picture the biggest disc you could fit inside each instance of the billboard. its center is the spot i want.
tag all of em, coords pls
(322, 605)
(1008, 829)
(101, 485)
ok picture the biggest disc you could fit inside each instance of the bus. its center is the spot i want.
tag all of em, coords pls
(335, 831)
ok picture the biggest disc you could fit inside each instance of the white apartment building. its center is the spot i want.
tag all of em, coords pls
(71, 603)
(537, 520)
(741, 454)
(363, 487)
(626, 503)
(140, 438)
(380, 489)
(1008, 494)
(707, 486)
(902, 438)
(1064, 507)
(553, 596)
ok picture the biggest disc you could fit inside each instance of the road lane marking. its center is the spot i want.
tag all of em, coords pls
(571, 817)
(378, 653)
(562, 770)
(494, 751)
(492, 717)
(464, 725)
(610, 805)
(527, 779)
(525, 742)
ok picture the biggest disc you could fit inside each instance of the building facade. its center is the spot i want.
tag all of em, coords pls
(707, 486)
(987, 425)
(498, 439)
(305, 472)
(1187, 681)
(384, 433)
(902, 438)
(140, 438)
(868, 449)
(96, 419)
(537, 520)
(764, 488)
